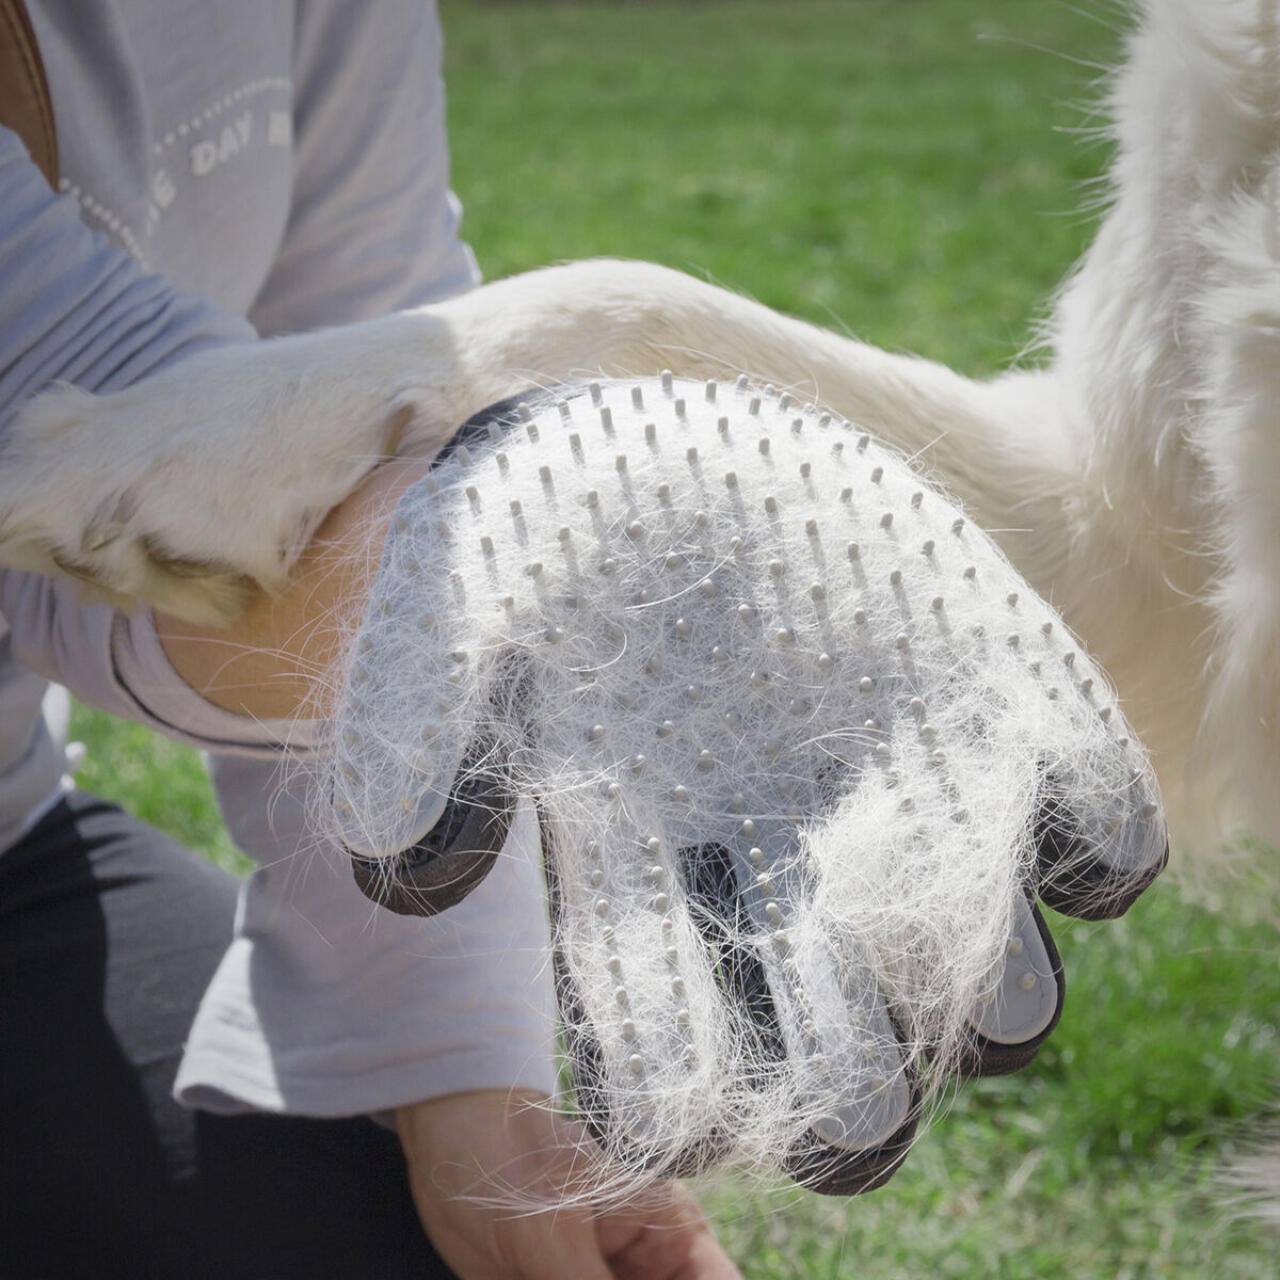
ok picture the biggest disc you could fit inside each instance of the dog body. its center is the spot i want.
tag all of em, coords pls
(1135, 481)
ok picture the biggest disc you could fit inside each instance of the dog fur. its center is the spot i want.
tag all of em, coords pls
(1135, 478)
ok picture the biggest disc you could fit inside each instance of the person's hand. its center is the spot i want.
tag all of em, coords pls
(805, 748)
(468, 1152)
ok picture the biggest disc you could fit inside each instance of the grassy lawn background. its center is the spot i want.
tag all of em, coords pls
(909, 169)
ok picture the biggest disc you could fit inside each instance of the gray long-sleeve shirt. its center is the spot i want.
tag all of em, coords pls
(229, 171)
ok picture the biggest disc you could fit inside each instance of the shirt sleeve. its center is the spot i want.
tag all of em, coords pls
(77, 308)
(116, 663)
(373, 226)
(324, 1005)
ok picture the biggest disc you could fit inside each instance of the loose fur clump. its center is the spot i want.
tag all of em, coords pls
(794, 728)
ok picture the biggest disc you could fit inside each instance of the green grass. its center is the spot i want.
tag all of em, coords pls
(1097, 1160)
(160, 781)
(892, 165)
(884, 166)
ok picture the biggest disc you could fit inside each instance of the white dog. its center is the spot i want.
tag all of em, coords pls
(1135, 481)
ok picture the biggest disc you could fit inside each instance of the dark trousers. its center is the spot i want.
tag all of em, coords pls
(109, 932)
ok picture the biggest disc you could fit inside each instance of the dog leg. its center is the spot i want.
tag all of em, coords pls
(217, 471)
(213, 474)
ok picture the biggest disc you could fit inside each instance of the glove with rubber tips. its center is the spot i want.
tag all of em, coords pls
(805, 748)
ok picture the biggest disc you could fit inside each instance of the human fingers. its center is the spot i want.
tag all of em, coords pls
(491, 1172)
(474, 1156)
(667, 1237)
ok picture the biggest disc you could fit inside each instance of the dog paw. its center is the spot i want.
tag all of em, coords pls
(187, 489)
(83, 495)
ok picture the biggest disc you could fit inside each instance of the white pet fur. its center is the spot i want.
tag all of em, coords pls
(694, 616)
(1142, 465)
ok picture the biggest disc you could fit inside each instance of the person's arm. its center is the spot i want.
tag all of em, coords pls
(374, 228)
(269, 663)
(77, 309)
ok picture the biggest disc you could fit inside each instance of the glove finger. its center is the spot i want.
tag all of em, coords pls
(1095, 869)
(1021, 1010)
(401, 729)
(438, 871)
(645, 1027)
(1100, 834)
(426, 661)
(825, 1031)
